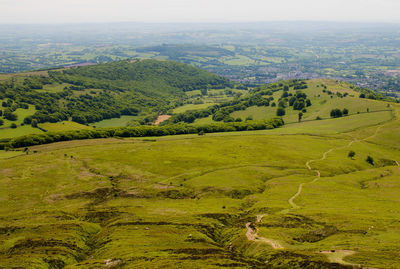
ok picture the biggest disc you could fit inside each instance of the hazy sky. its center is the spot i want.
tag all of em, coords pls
(67, 11)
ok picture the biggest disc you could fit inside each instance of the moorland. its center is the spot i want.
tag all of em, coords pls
(318, 190)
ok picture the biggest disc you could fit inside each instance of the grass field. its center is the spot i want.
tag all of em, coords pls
(115, 122)
(185, 201)
(187, 107)
(21, 113)
(19, 131)
(63, 126)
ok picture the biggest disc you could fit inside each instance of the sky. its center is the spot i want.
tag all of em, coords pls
(78, 11)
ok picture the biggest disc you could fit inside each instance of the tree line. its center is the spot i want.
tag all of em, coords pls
(139, 131)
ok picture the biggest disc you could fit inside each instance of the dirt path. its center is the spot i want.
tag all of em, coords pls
(252, 235)
(324, 156)
(300, 189)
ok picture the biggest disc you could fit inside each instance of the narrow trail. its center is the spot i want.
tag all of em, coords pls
(300, 189)
(252, 235)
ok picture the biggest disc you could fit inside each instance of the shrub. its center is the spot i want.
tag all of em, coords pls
(351, 154)
(336, 113)
(370, 160)
(280, 112)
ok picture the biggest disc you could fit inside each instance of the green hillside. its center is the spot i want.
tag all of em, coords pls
(291, 197)
(313, 99)
(139, 88)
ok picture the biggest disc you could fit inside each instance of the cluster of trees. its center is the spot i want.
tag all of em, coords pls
(259, 96)
(139, 131)
(298, 101)
(370, 94)
(337, 113)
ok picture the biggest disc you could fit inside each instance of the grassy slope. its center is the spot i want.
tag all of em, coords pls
(322, 103)
(115, 122)
(62, 126)
(185, 199)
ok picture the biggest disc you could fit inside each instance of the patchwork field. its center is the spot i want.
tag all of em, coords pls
(284, 198)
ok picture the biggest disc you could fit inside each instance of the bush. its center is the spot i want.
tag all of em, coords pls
(280, 112)
(351, 154)
(370, 160)
(10, 116)
(13, 125)
(336, 113)
(345, 111)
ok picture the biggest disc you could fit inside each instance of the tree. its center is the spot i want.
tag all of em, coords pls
(308, 102)
(345, 111)
(34, 123)
(299, 104)
(351, 154)
(13, 125)
(9, 115)
(1, 122)
(336, 113)
(300, 116)
(370, 160)
(280, 112)
(362, 95)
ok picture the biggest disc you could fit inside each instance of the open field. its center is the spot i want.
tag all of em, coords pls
(19, 131)
(187, 200)
(187, 107)
(21, 113)
(63, 126)
(115, 122)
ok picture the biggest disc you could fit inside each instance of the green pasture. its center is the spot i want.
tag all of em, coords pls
(115, 122)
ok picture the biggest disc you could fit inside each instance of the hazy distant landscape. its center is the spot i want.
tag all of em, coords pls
(253, 53)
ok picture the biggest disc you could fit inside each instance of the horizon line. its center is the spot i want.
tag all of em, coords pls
(205, 22)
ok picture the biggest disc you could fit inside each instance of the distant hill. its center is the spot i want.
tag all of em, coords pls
(92, 93)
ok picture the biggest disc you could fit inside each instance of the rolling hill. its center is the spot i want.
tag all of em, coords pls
(289, 197)
(140, 89)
